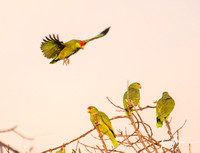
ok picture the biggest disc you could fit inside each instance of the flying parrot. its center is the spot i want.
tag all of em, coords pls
(164, 107)
(134, 97)
(55, 49)
(103, 123)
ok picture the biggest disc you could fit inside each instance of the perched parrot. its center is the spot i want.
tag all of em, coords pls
(55, 49)
(103, 123)
(133, 95)
(62, 150)
(74, 151)
(164, 107)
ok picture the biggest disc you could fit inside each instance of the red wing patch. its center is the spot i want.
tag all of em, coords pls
(108, 126)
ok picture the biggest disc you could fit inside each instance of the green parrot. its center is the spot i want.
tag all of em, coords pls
(74, 151)
(103, 123)
(62, 150)
(164, 107)
(55, 49)
(133, 95)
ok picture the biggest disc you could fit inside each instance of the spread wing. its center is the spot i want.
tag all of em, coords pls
(51, 46)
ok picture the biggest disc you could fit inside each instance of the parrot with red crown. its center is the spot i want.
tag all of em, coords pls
(55, 49)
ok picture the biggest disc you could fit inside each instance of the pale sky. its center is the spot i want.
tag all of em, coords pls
(156, 43)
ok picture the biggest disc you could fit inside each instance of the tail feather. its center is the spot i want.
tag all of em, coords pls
(130, 110)
(54, 61)
(159, 123)
(114, 142)
(103, 33)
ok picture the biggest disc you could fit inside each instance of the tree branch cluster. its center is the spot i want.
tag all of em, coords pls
(140, 140)
(7, 147)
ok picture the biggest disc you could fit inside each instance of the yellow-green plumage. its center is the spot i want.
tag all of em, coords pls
(69, 49)
(133, 96)
(103, 122)
(55, 49)
(164, 107)
(62, 150)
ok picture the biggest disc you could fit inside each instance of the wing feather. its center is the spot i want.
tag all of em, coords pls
(107, 122)
(52, 46)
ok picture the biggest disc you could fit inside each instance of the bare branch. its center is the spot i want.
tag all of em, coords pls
(87, 146)
(24, 137)
(139, 134)
(114, 104)
(180, 127)
(140, 139)
(190, 148)
(83, 135)
(8, 130)
(13, 129)
(7, 147)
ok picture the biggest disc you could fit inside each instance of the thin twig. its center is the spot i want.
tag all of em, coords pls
(190, 148)
(99, 148)
(123, 110)
(180, 127)
(146, 107)
(87, 146)
(150, 138)
(130, 142)
(8, 130)
(139, 134)
(24, 137)
(114, 104)
(157, 144)
(148, 127)
(172, 137)
(77, 145)
(13, 129)
(67, 143)
(8, 147)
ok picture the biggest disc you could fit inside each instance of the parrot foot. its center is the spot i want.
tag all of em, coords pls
(66, 61)
(140, 108)
(155, 102)
(101, 134)
(96, 122)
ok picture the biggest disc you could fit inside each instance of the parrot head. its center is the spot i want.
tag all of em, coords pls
(92, 109)
(80, 44)
(166, 95)
(135, 85)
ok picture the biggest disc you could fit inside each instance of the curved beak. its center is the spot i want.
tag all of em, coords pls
(140, 87)
(82, 47)
(88, 111)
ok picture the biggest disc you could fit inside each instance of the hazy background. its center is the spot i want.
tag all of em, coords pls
(156, 43)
